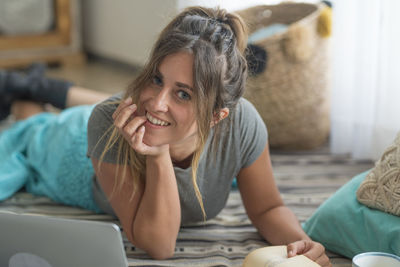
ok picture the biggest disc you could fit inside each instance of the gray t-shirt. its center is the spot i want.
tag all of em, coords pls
(239, 145)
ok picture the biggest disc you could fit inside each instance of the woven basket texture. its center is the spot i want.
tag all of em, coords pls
(381, 187)
(292, 94)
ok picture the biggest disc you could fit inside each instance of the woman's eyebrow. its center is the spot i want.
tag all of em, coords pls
(158, 73)
(179, 84)
(183, 85)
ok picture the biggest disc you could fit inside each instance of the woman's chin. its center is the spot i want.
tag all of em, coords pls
(150, 141)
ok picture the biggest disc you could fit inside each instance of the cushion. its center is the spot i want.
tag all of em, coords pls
(347, 227)
(381, 187)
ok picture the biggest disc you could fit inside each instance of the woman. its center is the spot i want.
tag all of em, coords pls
(165, 153)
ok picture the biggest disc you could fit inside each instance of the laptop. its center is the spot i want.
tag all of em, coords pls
(37, 240)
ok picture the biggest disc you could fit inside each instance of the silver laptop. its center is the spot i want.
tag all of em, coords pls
(35, 240)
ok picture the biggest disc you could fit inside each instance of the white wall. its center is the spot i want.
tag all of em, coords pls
(230, 5)
(124, 30)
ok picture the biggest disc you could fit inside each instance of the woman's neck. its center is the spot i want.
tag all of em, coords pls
(183, 164)
(182, 154)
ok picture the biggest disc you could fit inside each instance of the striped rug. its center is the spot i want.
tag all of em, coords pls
(305, 180)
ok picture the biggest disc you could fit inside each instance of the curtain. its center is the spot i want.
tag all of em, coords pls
(365, 77)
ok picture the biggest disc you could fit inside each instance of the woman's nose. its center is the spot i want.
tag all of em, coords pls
(160, 100)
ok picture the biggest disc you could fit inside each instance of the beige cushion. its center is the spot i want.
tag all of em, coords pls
(381, 187)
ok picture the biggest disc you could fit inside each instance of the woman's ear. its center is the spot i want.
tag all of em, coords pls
(222, 114)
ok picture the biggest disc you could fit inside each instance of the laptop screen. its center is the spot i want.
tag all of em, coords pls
(26, 240)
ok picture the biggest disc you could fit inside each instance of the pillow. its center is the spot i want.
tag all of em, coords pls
(347, 227)
(381, 187)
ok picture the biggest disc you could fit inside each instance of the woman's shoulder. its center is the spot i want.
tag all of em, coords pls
(98, 128)
(248, 122)
(101, 116)
(109, 105)
(245, 125)
(245, 112)
(102, 112)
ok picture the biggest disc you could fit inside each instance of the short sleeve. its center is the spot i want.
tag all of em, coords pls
(253, 133)
(99, 130)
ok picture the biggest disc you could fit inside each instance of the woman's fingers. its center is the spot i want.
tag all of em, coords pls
(137, 140)
(311, 249)
(139, 146)
(123, 116)
(132, 129)
(121, 106)
(323, 260)
(314, 251)
(133, 125)
(125, 122)
(297, 248)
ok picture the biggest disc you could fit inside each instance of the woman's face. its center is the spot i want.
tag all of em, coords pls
(167, 103)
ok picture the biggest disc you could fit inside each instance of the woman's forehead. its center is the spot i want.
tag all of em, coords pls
(177, 68)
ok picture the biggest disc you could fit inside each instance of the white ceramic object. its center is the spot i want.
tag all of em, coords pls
(376, 259)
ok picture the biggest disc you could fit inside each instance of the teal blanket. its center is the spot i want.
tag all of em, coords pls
(47, 154)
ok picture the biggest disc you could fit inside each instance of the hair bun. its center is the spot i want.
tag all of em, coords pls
(236, 24)
(232, 20)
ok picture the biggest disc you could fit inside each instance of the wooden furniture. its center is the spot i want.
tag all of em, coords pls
(60, 45)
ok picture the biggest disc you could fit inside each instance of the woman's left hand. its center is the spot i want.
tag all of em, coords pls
(311, 249)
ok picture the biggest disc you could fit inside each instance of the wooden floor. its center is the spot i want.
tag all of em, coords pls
(97, 74)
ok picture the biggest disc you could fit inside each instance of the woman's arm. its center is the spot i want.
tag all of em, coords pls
(151, 219)
(159, 215)
(265, 208)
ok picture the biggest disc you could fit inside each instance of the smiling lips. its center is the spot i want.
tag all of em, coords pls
(156, 121)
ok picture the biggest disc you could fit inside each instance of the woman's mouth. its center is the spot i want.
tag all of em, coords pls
(156, 121)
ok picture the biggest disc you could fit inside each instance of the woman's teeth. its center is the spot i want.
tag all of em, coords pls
(156, 121)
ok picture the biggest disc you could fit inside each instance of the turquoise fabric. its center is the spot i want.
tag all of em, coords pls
(47, 154)
(347, 227)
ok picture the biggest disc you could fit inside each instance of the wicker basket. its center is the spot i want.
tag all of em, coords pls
(292, 94)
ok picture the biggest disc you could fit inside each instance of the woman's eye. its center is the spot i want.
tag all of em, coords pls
(157, 81)
(183, 95)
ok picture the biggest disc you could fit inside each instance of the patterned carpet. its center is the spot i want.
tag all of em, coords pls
(305, 180)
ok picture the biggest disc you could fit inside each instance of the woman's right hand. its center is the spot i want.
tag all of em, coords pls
(132, 129)
(311, 249)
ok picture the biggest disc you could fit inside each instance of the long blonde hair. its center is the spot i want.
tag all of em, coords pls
(217, 40)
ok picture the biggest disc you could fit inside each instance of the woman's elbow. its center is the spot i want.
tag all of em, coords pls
(162, 253)
(155, 248)
(159, 245)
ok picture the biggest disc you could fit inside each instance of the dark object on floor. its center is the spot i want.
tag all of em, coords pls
(31, 86)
